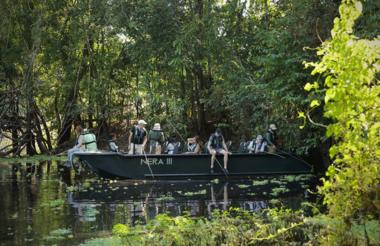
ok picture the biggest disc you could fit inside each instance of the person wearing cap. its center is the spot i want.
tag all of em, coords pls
(137, 138)
(217, 145)
(271, 138)
(257, 145)
(156, 139)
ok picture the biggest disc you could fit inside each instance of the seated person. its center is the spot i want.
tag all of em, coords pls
(172, 146)
(257, 145)
(112, 145)
(217, 145)
(86, 141)
(243, 145)
(193, 145)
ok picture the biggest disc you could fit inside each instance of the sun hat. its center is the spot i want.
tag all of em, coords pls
(259, 137)
(272, 127)
(141, 122)
(157, 126)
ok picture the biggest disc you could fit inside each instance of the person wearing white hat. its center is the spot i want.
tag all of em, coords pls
(138, 138)
(271, 138)
(156, 139)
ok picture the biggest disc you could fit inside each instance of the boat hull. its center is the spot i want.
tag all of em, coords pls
(109, 164)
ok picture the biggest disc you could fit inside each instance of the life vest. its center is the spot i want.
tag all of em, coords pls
(191, 147)
(89, 141)
(216, 142)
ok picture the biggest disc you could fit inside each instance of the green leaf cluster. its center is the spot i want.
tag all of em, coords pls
(351, 92)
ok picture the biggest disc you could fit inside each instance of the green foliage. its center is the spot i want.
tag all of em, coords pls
(352, 101)
(234, 227)
(188, 64)
(55, 204)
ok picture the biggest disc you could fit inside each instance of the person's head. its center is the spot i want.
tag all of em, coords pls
(218, 131)
(157, 127)
(78, 129)
(272, 127)
(197, 140)
(141, 123)
(173, 138)
(259, 139)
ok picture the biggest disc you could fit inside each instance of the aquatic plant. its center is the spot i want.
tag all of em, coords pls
(59, 234)
(201, 192)
(279, 190)
(233, 227)
(243, 186)
(260, 182)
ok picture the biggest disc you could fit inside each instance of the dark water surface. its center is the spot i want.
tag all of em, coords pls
(47, 204)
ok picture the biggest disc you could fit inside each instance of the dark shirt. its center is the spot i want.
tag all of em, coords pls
(138, 135)
(271, 137)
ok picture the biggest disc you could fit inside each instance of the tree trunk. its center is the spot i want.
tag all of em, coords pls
(71, 100)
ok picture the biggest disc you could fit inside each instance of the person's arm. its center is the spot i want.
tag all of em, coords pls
(225, 145)
(209, 144)
(197, 148)
(145, 139)
(129, 138)
(80, 141)
(250, 145)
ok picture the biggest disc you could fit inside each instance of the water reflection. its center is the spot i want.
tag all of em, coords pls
(49, 204)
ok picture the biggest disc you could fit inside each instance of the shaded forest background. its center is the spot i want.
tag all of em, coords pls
(188, 64)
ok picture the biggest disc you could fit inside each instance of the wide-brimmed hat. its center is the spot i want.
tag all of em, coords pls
(259, 137)
(157, 126)
(141, 122)
(272, 127)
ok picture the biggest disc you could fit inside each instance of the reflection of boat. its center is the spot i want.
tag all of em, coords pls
(144, 200)
(111, 164)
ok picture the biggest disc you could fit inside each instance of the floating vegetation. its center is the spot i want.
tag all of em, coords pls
(54, 204)
(275, 202)
(243, 186)
(201, 192)
(289, 178)
(260, 182)
(165, 199)
(59, 234)
(304, 177)
(215, 181)
(276, 181)
(278, 191)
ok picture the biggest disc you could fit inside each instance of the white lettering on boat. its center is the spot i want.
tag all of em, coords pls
(156, 161)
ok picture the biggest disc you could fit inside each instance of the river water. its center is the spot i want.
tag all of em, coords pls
(48, 204)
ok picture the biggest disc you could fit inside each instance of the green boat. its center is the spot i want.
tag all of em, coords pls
(111, 164)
